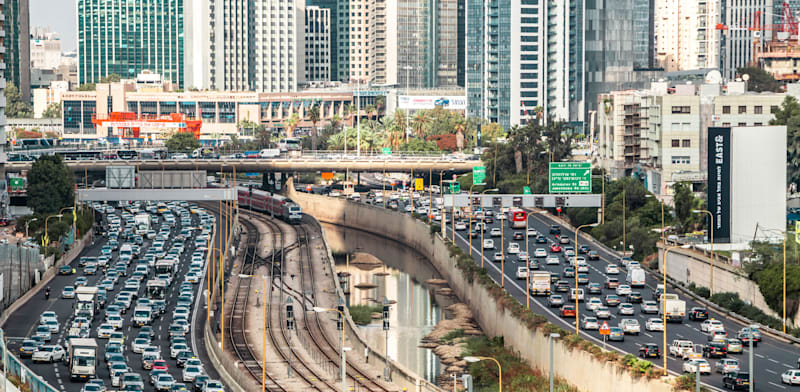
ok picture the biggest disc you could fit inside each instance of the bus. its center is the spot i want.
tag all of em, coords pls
(517, 218)
(165, 267)
(153, 153)
(127, 154)
(156, 289)
(35, 143)
(290, 144)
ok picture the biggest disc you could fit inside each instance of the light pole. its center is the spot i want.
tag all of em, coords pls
(386, 330)
(575, 268)
(664, 305)
(408, 69)
(553, 336)
(28, 222)
(499, 368)
(711, 234)
(46, 237)
(469, 228)
(318, 309)
(663, 241)
(624, 228)
(527, 266)
(358, 117)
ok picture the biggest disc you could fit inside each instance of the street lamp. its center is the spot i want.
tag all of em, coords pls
(553, 336)
(46, 237)
(499, 368)
(318, 309)
(28, 222)
(664, 303)
(386, 329)
(711, 233)
(575, 267)
(264, 341)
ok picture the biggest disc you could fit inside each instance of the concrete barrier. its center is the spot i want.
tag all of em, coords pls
(581, 368)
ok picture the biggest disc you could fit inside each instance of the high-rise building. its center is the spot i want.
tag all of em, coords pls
(3, 56)
(685, 33)
(126, 37)
(474, 69)
(564, 79)
(644, 34)
(45, 49)
(341, 68)
(279, 45)
(736, 45)
(318, 44)
(17, 43)
(333, 7)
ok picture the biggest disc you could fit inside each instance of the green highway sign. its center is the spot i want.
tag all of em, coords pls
(455, 187)
(526, 190)
(386, 151)
(478, 175)
(570, 177)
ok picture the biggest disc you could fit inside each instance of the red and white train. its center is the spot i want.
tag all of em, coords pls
(270, 203)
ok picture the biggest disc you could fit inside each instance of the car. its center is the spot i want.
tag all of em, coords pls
(495, 232)
(68, 292)
(213, 386)
(616, 334)
(590, 323)
(563, 240)
(552, 260)
(91, 388)
(522, 256)
(635, 297)
(65, 270)
(744, 336)
(555, 248)
(654, 324)
(726, 365)
(715, 350)
(612, 283)
(562, 286)
(593, 303)
(649, 350)
(48, 353)
(583, 278)
(44, 333)
(176, 348)
(649, 307)
(594, 288)
(612, 269)
(626, 309)
(460, 226)
(602, 313)
(47, 316)
(115, 321)
(555, 229)
(555, 300)
(623, 289)
(28, 347)
(755, 331)
(199, 382)
(791, 377)
(611, 300)
(160, 364)
(522, 272)
(735, 346)
(718, 336)
(183, 357)
(104, 331)
(540, 252)
(569, 272)
(498, 257)
(132, 382)
(164, 382)
(568, 311)
(711, 325)
(518, 236)
(53, 325)
(691, 366)
(698, 314)
(593, 255)
(540, 239)
(488, 244)
(532, 233)
(630, 326)
(583, 249)
(139, 344)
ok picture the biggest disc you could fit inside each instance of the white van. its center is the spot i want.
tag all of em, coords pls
(269, 153)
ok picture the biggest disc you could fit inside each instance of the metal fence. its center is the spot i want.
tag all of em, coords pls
(20, 268)
(13, 366)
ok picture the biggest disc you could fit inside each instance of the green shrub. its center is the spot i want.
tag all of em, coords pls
(362, 314)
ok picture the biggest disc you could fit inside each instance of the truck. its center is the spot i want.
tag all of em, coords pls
(142, 222)
(675, 308)
(82, 359)
(142, 315)
(86, 301)
(636, 277)
(540, 283)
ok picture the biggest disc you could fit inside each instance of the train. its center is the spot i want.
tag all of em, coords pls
(270, 203)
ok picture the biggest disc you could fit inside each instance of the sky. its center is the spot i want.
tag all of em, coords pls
(59, 16)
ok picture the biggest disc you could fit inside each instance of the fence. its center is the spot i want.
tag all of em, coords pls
(20, 266)
(13, 367)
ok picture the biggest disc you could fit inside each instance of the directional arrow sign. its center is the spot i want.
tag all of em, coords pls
(570, 177)
(604, 329)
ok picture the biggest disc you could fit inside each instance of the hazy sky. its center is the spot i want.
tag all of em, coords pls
(59, 15)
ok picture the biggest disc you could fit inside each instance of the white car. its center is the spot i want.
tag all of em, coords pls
(513, 248)
(488, 244)
(190, 372)
(115, 321)
(533, 233)
(593, 303)
(495, 232)
(626, 309)
(46, 316)
(590, 323)
(48, 353)
(692, 365)
(630, 326)
(540, 252)
(459, 225)
(654, 324)
(623, 289)
(522, 272)
(104, 331)
(522, 256)
(711, 325)
(583, 268)
(552, 260)
(498, 257)
(791, 377)
(612, 269)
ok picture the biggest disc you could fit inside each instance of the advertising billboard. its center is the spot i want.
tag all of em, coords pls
(719, 181)
(418, 102)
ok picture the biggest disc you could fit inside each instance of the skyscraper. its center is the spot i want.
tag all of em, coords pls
(3, 55)
(644, 34)
(318, 44)
(564, 50)
(125, 37)
(474, 69)
(17, 43)
(736, 44)
(278, 50)
(685, 34)
(335, 20)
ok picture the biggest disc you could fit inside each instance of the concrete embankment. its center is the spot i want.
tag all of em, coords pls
(581, 368)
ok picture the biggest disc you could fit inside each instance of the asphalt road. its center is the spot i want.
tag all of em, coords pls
(23, 322)
(771, 357)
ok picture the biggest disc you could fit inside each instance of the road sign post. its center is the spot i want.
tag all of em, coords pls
(478, 175)
(570, 177)
(604, 332)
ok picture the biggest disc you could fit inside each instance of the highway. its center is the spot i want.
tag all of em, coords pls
(771, 357)
(22, 324)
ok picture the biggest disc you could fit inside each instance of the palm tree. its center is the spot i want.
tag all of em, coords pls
(313, 115)
(291, 124)
(369, 109)
(349, 110)
(460, 127)
(419, 124)
(380, 104)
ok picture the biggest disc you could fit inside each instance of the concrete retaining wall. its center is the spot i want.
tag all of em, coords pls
(581, 368)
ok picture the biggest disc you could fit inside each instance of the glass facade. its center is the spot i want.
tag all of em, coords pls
(644, 34)
(17, 57)
(340, 67)
(475, 65)
(498, 46)
(125, 37)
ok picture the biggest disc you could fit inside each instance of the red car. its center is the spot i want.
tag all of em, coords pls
(160, 364)
(568, 311)
(555, 248)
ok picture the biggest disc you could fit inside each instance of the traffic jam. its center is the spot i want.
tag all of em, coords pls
(121, 320)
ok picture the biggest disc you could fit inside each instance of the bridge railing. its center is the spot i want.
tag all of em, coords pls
(13, 367)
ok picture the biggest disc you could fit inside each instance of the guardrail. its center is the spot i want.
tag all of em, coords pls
(13, 366)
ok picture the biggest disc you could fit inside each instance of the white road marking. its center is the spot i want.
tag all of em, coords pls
(777, 385)
(647, 334)
(772, 360)
(759, 355)
(771, 371)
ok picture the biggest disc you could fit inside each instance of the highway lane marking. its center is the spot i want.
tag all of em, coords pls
(788, 366)
(647, 334)
(777, 385)
(772, 360)
(759, 355)
(771, 371)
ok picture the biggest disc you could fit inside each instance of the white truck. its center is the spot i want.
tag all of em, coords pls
(675, 308)
(82, 359)
(142, 222)
(636, 277)
(540, 283)
(142, 315)
(85, 303)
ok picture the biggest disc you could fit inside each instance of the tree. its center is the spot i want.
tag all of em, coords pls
(182, 141)
(53, 110)
(419, 145)
(490, 132)
(760, 80)
(291, 124)
(15, 106)
(245, 124)
(112, 78)
(789, 114)
(50, 185)
(314, 116)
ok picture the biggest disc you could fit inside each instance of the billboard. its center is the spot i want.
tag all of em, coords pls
(418, 102)
(719, 181)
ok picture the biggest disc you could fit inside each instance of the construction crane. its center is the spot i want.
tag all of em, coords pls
(786, 30)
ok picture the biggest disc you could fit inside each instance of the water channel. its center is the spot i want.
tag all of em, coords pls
(401, 278)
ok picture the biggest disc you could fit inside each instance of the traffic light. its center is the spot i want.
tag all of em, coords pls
(289, 314)
(250, 189)
(385, 316)
(339, 320)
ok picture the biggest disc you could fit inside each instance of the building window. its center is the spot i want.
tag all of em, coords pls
(773, 109)
(726, 109)
(758, 109)
(686, 143)
(742, 109)
(676, 143)
(742, 124)
(726, 124)
(680, 160)
(681, 109)
(757, 124)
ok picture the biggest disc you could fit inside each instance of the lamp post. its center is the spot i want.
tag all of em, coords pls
(46, 237)
(624, 228)
(575, 268)
(212, 285)
(663, 303)
(408, 69)
(318, 309)
(711, 234)
(499, 368)
(386, 330)
(469, 228)
(28, 222)
(663, 241)
(528, 266)
(264, 342)
(553, 336)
